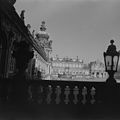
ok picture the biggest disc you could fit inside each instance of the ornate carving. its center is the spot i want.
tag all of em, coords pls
(5, 25)
(50, 44)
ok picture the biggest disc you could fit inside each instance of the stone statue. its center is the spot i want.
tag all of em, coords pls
(28, 26)
(50, 43)
(22, 14)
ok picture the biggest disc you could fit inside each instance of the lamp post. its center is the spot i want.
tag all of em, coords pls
(111, 59)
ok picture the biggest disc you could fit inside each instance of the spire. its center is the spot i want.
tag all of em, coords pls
(43, 27)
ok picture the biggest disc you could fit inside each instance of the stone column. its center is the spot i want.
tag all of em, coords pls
(3, 40)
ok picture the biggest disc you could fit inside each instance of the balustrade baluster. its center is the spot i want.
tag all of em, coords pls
(84, 94)
(93, 92)
(49, 93)
(58, 92)
(75, 92)
(30, 96)
(40, 94)
(67, 93)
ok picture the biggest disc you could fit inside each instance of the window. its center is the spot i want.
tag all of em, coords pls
(70, 65)
(73, 65)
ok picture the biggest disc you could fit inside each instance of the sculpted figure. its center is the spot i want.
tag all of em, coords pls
(22, 14)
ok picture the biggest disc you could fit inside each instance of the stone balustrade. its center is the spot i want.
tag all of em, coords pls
(60, 93)
(56, 92)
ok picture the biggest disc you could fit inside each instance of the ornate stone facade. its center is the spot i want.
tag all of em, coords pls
(42, 38)
(42, 66)
(68, 69)
(76, 69)
(97, 69)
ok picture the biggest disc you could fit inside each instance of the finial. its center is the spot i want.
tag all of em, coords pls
(43, 28)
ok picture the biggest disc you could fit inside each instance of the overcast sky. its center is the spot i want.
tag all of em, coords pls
(80, 28)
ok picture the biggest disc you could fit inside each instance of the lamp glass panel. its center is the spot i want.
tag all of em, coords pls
(115, 60)
(108, 60)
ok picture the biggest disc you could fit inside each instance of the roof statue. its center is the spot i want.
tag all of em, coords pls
(22, 15)
(50, 43)
(33, 33)
(28, 26)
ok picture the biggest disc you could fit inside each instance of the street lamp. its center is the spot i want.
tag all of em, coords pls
(111, 58)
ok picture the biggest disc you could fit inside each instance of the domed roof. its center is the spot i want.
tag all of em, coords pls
(42, 33)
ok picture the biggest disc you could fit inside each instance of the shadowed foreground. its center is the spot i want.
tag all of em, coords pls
(34, 100)
(57, 112)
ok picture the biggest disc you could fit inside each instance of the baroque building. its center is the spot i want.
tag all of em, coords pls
(76, 69)
(14, 34)
(68, 69)
(97, 69)
(42, 66)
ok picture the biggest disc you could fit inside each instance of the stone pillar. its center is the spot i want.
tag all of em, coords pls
(3, 40)
(0, 52)
(10, 36)
(6, 36)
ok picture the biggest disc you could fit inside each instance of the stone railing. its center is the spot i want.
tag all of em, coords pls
(54, 92)
(58, 92)
(65, 92)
